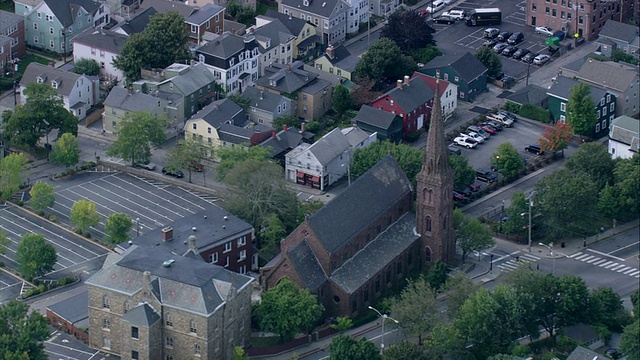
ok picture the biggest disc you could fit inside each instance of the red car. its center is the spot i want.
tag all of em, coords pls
(196, 166)
(490, 129)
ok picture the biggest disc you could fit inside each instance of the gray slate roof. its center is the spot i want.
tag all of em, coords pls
(562, 88)
(105, 39)
(581, 353)
(610, 74)
(626, 130)
(142, 315)
(376, 254)
(193, 79)
(224, 46)
(276, 32)
(375, 117)
(531, 94)
(294, 24)
(221, 111)
(66, 80)
(329, 146)
(581, 333)
(139, 22)
(204, 13)
(8, 19)
(355, 136)
(163, 6)
(288, 78)
(343, 59)
(120, 98)
(284, 140)
(67, 10)
(73, 309)
(619, 31)
(370, 195)
(320, 7)
(304, 260)
(264, 100)
(466, 65)
(411, 97)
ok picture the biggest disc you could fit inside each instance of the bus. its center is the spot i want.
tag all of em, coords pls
(481, 17)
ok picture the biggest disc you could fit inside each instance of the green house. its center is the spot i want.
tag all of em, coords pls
(465, 71)
(388, 126)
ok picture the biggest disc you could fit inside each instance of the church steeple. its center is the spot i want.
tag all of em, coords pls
(434, 193)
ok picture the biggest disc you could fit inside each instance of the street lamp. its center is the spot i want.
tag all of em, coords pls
(491, 263)
(383, 317)
(553, 256)
(530, 198)
(137, 227)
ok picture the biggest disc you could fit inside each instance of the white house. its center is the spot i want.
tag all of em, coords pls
(78, 92)
(276, 44)
(101, 46)
(358, 14)
(624, 137)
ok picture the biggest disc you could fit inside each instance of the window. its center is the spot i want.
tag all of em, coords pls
(227, 246)
(196, 349)
(168, 319)
(192, 326)
(446, 76)
(563, 106)
(581, 19)
(194, 29)
(608, 97)
(563, 118)
(213, 258)
(562, 15)
(51, 30)
(612, 106)
(39, 14)
(456, 79)
(106, 324)
(134, 355)
(554, 12)
(48, 17)
(604, 124)
(195, 126)
(35, 26)
(365, 295)
(399, 268)
(602, 102)
(106, 343)
(101, 53)
(242, 241)
(134, 332)
(534, 7)
(242, 255)
(598, 127)
(105, 302)
(598, 114)
(547, 10)
(52, 44)
(376, 285)
(604, 111)
(168, 342)
(102, 64)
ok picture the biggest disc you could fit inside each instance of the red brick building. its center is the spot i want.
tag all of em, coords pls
(12, 41)
(71, 316)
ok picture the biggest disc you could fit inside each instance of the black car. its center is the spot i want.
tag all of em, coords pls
(490, 42)
(503, 36)
(528, 58)
(509, 50)
(499, 47)
(613, 353)
(496, 125)
(515, 38)
(552, 50)
(534, 149)
(172, 172)
(486, 176)
(520, 53)
(444, 19)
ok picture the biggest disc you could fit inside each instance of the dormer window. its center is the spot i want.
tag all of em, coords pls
(232, 62)
(54, 84)
(201, 58)
(305, 2)
(40, 80)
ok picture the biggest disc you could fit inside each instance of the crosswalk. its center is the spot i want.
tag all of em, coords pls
(606, 263)
(517, 261)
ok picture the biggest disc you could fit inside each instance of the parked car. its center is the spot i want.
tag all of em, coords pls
(505, 121)
(520, 53)
(489, 128)
(437, 6)
(499, 47)
(444, 19)
(528, 58)
(474, 136)
(534, 149)
(490, 43)
(541, 59)
(457, 14)
(172, 172)
(503, 36)
(467, 142)
(148, 166)
(458, 196)
(197, 166)
(544, 30)
(509, 50)
(516, 38)
(552, 50)
(508, 114)
(491, 33)
(477, 129)
(613, 353)
(454, 150)
(476, 186)
(495, 124)
(466, 191)
(486, 175)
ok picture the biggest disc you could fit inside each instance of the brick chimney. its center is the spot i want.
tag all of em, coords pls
(406, 80)
(399, 84)
(192, 244)
(167, 233)
(302, 128)
(285, 128)
(273, 134)
(330, 52)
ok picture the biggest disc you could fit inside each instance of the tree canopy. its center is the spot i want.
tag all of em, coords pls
(630, 341)
(341, 99)
(22, 333)
(408, 30)
(84, 214)
(66, 151)
(593, 159)
(136, 134)
(12, 167)
(86, 67)
(490, 59)
(409, 158)
(384, 60)
(581, 111)
(471, 234)
(117, 227)
(415, 308)
(42, 195)
(507, 161)
(35, 256)
(232, 156)
(556, 137)
(464, 174)
(186, 155)
(344, 347)
(620, 199)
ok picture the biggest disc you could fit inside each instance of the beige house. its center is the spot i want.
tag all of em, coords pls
(307, 45)
(337, 61)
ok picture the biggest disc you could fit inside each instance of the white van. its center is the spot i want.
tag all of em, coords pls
(435, 6)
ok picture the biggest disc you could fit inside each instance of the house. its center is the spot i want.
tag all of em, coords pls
(582, 353)
(276, 44)
(411, 99)
(223, 3)
(584, 334)
(194, 83)
(620, 79)
(338, 61)
(363, 243)
(135, 24)
(530, 94)
(384, 8)
(584, 18)
(307, 45)
(358, 14)
(101, 46)
(329, 17)
(5, 52)
(624, 137)
(604, 101)
(199, 21)
(234, 27)
(449, 91)
(122, 102)
(71, 316)
(12, 27)
(233, 61)
(149, 303)
(386, 125)
(51, 24)
(123, 9)
(285, 140)
(312, 95)
(620, 36)
(265, 106)
(78, 92)
(464, 71)
(24, 7)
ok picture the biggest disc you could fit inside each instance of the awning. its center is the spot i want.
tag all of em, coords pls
(315, 179)
(299, 174)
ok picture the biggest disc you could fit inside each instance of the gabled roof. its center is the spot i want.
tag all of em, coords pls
(322, 8)
(142, 315)
(581, 353)
(193, 79)
(234, 134)
(530, 94)
(410, 97)
(139, 22)
(276, 32)
(201, 15)
(307, 266)
(102, 39)
(355, 136)
(617, 76)
(620, 31)
(368, 197)
(264, 100)
(626, 130)
(561, 88)
(342, 59)
(73, 309)
(8, 19)
(120, 98)
(286, 78)
(66, 80)
(220, 112)
(375, 117)
(284, 140)
(224, 46)
(466, 65)
(163, 6)
(431, 81)
(67, 10)
(329, 147)
(294, 24)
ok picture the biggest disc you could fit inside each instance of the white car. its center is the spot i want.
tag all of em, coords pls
(501, 119)
(544, 30)
(541, 59)
(467, 142)
(437, 6)
(477, 137)
(456, 14)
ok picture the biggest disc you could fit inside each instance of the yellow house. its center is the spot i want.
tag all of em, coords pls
(307, 45)
(337, 61)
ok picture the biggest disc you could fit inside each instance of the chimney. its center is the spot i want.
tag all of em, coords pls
(273, 134)
(167, 233)
(285, 128)
(406, 80)
(261, 94)
(330, 51)
(302, 128)
(192, 244)
(146, 280)
(399, 84)
(130, 91)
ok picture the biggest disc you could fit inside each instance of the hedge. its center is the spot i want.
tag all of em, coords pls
(534, 112)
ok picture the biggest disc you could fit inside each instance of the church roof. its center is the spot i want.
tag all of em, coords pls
(306, 263)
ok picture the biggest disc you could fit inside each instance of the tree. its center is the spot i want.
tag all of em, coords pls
(66, 151)
(556, 138)
(471, 234)
(408, 30)
(133, 56)
(35, 257)
(415, 308)
(117, 227)
(517, 216)
(384, 60)
(593, 159)
(272, 231)
(22, 333)
(605, 307)
(136, 133)
(84, 215)
(11, 169)
(405, 350)
(42, 195)
(363, 92)
(184, 155)
(239, 353)
(232, 156)
(445, 341)
(290, 120)
(437, 275)
(287, 309)
(342, 323)
(306, 208)
(4, 242)
(620, 200)
(43, 112)
(630, 340)
(507, 160)
(341, 99)
(464, 174)
(458, 289)
(86, 66)
(241, 13)
(490, 59)
(426, 54)
(344, 347)
(409, 158)
(581, 111)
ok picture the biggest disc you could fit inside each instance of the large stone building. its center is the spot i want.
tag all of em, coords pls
(359, 246)
(152, 304)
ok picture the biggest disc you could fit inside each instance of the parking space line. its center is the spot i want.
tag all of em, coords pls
(623, 269)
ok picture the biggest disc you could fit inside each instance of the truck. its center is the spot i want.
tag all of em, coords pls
(482, 17)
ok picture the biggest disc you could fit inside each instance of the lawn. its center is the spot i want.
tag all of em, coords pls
(262, 8)
(6, 83)
(6, 5)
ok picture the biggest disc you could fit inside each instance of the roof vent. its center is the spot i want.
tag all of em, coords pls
(224, 226)
(205, 216)
(168, 263)
(194, 229)
(226, 218)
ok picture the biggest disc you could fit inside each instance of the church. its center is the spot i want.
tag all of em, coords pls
(366, 240)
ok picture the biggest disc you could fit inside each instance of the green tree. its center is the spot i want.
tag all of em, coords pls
(133, 56)
(490, 59)
(184, 155)
(415, 308)
(344, 347)
(635, 301)
(239, 353)
(408, 30)
(86, 67)
(42, 195)
(556, 137)
(35, 257)
(342, 323)
(290, 120)
(232, 156)
(464, 174)
(437, 275)
(517, 215)
(43, 112)
(384, 60)
(620, 200)
(272, 231)
(287, 309)
(594, 160)
(11, 168)
(66, 151)
(341, 99)
(605, 308)
(471, 234)
(426, 54)
(363, 91)
(117, 227)
(4, 242)
(458, 288)
(409, 158)
(445, 341)
(306, 208)
(581, 111)
(84, 215)
(405, 350)
(22, 333)
(630, 340)
(136, 134)
(241, 13)
(507, 160)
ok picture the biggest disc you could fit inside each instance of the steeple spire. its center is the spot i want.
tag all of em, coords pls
(436, 156)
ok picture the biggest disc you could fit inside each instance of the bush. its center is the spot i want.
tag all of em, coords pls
(41, 213)
(65, 281)
(534, 112)
(53, 218)
(1, 263)
(413, 136)
(20, 202)
(77, 231)
(87, 235)
(511, 106)
(523, 351)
